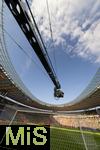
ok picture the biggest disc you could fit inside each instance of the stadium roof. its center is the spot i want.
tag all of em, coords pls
(12, 87)
(88, 99)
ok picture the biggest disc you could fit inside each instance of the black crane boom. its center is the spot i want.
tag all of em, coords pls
(33, 36)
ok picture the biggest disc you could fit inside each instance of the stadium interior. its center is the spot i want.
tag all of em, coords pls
(73, 126)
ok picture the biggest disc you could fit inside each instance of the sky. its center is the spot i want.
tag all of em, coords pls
(74, 49)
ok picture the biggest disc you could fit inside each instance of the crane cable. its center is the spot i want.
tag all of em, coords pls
(51, 33)
(49, 18)
(41, 38)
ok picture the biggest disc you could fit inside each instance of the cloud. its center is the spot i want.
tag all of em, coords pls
(75, 25)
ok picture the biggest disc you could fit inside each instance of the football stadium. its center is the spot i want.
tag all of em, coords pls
(74, 125)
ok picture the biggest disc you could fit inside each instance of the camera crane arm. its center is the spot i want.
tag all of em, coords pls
(33, 36)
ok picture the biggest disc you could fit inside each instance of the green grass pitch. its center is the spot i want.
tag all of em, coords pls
(72, 139)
